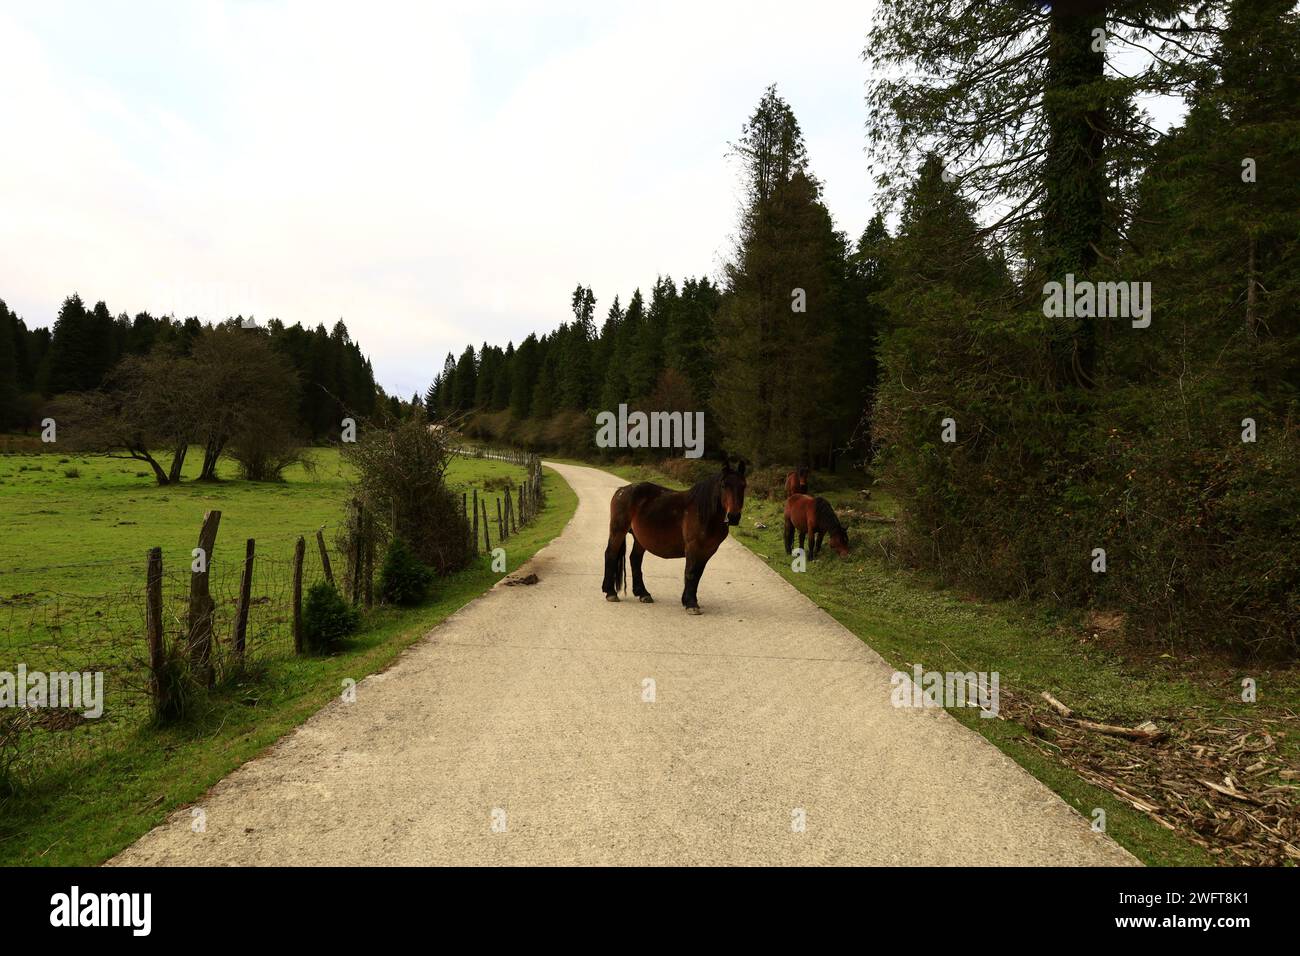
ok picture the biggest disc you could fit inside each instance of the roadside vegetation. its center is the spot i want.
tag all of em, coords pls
(1085, 660)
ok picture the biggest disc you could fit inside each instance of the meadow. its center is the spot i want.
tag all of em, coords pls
(75, 531)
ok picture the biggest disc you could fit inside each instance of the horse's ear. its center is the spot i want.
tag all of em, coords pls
(726, 466)
(741, 470)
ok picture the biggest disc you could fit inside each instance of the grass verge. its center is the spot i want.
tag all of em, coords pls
(83, 813)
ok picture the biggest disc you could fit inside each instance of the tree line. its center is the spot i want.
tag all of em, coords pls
(314, 374)
(779, 354)
(1150, 465)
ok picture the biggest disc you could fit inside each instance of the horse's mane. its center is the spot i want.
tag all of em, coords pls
(826, 517)
(706, 495)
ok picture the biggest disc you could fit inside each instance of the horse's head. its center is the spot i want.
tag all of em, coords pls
(733, 491)
(801, 479)
(840, 542)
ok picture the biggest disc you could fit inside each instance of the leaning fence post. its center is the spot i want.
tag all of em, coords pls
(201, 604)
(501, 534)
(487, 537)
(154, 629)
(475, 519)
(299, 551)
(324, 556)
(245, 593)
(368, 529)
(510, 513)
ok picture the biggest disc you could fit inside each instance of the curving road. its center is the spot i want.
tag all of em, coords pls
(516, 732)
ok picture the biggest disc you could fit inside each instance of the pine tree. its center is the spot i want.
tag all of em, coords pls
(523, 377)
(466, 380)
(72, 368)
(8, 367)
(785, 295)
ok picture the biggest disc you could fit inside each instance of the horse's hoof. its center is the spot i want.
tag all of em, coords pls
(611, 597)
(646, 599)
(693, 610)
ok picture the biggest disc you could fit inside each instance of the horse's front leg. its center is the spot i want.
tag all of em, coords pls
(638, 582)
(694, 571)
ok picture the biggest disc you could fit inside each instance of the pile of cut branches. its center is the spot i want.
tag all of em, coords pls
(1221, 782)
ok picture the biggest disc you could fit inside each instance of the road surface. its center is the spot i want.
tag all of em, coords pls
(544, 725)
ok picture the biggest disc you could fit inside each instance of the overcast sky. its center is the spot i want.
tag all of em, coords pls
(434, 174)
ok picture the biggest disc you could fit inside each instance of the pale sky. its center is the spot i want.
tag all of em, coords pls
(434, 174)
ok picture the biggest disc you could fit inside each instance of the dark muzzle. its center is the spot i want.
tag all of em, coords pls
(733, 517)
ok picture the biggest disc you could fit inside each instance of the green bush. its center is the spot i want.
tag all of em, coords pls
(403, 579)
(326, 618)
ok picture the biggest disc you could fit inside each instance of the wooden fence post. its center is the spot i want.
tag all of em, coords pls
(299, 551)
(245, 594)
(369, 531)
(154, 629)
(501, 532)
(510, 514)
(357, 554)
(201, 604)
(475, 548)
(324, 556)
(487, 537)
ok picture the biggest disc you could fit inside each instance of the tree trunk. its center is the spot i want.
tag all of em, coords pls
(1074, 175)
(178, 462)
(211, 454)
(139, 454)
(1252, 296)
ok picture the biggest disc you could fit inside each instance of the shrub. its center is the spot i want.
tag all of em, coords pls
(688, 471)
(400, 469)
(326, 618)
(403, 579)
(71, 473)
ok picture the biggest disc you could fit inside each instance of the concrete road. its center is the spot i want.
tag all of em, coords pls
(544, 725)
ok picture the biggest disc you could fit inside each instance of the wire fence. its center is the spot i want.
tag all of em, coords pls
(512, 455)
(76, 669)
(54, 642)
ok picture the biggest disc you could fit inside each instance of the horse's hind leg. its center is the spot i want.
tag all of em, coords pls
(638, 582)
(789, 535)
(616, 548)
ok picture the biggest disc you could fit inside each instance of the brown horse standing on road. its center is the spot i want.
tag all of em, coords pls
(671, 524)
(813, 518)
(796, 483)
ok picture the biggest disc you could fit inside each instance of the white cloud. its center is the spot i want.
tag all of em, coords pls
(432, 174)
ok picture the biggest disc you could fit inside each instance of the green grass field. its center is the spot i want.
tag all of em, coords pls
(72, 563)
(909, 620)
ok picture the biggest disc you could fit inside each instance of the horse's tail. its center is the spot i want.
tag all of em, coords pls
(620, 567)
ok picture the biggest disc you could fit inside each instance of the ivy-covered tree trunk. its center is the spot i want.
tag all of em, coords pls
(1074, 172)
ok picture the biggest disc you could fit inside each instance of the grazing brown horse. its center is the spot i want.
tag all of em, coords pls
(796, 483)
(671, 524)
(814, 518)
